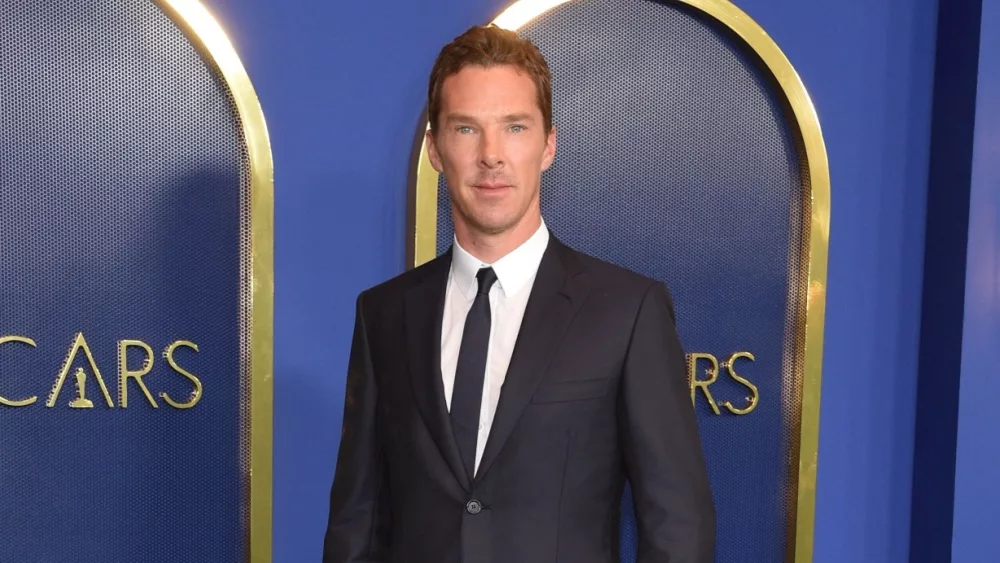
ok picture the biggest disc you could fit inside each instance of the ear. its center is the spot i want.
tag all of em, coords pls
(550, 149)
(432, 151)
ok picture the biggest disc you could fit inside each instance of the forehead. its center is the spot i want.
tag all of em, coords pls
(497, 88)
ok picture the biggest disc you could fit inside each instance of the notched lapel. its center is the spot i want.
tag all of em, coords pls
(557, 295)
(424, 304)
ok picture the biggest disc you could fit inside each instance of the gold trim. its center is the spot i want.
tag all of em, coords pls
(425, 208)
(818, 178)
(202, 28)
(520, 13)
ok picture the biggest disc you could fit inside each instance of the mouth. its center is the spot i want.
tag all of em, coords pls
(490, 186)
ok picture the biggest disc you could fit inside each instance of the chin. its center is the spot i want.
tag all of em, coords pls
(492, 225)
(492, 228)
(491, 219)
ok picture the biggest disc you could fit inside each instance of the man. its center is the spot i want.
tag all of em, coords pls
(499, 396)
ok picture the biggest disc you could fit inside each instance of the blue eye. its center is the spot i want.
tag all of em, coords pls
(517, 128)
(464, 129)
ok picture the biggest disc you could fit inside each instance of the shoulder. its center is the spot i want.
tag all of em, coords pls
(617, 282)
(394, 289)
(603, 273)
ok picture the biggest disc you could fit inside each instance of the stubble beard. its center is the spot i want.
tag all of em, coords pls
(485, 223)
(488, 224)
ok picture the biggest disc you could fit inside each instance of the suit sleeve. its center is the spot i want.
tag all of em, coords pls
(359, 523)
(675, 512)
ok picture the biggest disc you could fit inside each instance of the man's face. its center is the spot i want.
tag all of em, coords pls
(491, 146)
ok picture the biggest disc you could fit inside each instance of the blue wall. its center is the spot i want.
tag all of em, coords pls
(342, 86)
(977, 490)
(944, 281)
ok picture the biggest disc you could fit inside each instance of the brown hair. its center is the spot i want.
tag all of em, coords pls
(489, 46)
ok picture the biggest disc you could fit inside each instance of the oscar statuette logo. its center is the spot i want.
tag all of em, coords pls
(81, 401)
(83, 379)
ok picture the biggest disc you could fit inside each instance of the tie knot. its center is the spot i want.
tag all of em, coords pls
(487, 277)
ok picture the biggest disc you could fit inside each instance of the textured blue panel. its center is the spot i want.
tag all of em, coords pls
(122, 176)
(677, 161)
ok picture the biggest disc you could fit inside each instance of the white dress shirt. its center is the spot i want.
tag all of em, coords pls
(508, 298)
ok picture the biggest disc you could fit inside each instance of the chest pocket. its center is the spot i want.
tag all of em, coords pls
(565, 391)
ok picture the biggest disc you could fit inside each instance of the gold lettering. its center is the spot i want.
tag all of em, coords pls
(124, 374)
(196, 393)
(754, 397)
(695, 383)
(81, 400)
(29, 400)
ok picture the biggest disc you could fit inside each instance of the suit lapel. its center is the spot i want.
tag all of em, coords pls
(555, 298)
(424, 304)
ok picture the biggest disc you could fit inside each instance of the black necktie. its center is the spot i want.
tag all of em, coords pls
(467, 394)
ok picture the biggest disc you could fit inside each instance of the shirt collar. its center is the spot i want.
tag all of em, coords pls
(513, 271)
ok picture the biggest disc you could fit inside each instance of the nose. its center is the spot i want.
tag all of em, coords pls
(490, 150)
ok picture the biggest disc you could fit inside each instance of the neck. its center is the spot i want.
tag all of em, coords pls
(488, 248)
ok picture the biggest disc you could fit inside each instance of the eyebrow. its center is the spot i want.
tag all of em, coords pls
(510, 118)
(518, 117)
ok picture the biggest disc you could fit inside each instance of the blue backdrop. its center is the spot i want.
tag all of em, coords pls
(342, 85)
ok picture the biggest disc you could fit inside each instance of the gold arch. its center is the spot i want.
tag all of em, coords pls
(206, 34)
(422, 246)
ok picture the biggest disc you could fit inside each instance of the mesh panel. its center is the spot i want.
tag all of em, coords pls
(125, 188)
(676, 161)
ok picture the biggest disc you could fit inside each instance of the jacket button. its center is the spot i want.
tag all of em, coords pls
(473, 507)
